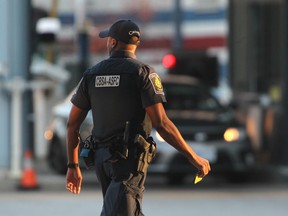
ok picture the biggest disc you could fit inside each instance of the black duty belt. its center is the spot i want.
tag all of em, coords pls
(108, 142)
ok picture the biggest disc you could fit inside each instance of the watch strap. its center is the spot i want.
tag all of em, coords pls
(72, 165)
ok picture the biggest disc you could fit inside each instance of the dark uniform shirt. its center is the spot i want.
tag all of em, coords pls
(117, 90)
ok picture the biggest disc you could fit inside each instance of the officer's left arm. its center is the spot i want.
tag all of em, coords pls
(74, 177)
(170, 133)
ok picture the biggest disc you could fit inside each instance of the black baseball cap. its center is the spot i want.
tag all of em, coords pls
(122, 30)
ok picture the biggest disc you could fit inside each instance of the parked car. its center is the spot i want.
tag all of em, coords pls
(55, 135)
(208, 127)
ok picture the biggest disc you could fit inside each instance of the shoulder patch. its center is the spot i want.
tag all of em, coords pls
(156, 83)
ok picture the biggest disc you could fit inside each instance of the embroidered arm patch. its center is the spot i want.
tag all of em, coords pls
(156, 83)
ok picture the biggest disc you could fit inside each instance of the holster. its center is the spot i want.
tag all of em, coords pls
(121, 152)
(146, 151)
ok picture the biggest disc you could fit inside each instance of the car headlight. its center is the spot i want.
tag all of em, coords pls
(159, 138)
(48, 135)
(233, 134)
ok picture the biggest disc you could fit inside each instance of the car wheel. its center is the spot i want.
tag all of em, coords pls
(56, 157)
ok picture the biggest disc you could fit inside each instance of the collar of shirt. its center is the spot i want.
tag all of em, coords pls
(123, 54)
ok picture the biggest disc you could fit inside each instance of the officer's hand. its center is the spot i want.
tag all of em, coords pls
(202, 165)
(74, 180)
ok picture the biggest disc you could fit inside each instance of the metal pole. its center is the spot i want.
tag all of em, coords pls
(4, 100)
(40, 122)
(80, 14)
(19, 63)
(17, 87)
(14, 58)
(82, 35)
(284, 146)
(178, 40)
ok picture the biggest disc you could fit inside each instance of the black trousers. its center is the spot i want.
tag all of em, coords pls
(122, 187)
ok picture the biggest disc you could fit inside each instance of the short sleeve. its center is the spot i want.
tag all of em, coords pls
(81, 97)
(150, 87)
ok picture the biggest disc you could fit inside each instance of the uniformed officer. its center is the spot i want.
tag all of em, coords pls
(118, 90)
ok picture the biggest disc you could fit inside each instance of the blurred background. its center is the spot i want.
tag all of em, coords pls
(223, 64)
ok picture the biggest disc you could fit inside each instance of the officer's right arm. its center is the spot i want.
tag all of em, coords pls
(169, 132)
(74, 176)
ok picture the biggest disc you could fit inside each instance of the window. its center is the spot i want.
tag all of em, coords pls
(187, 97)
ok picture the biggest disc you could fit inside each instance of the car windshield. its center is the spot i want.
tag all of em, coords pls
(188, 97)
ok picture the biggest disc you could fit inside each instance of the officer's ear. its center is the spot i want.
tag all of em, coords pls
(135, 40)
(114, 43)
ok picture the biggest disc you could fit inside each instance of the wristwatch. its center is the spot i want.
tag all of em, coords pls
(72, 165)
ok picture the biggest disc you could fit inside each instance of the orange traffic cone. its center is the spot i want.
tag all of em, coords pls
(28, 179)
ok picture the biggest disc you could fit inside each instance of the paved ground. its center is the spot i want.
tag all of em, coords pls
(49, 181)
(209, 198)
(265, 196)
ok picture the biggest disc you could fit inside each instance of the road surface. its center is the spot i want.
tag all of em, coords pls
(205, 199)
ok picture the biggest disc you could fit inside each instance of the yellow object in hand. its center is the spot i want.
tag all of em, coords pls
(197, 179)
